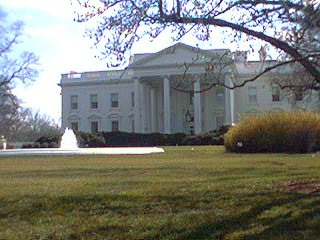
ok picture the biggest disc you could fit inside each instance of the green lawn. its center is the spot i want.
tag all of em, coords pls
(184, 193)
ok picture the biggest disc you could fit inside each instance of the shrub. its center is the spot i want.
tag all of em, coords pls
(48, 141)
(297, 132)
(90, 139)
(215, 137)
(123, 139)
(157, 139)
(27, 145)
(36, 145)
(175, 139)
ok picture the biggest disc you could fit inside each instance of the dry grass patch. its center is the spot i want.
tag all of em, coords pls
(291, 132)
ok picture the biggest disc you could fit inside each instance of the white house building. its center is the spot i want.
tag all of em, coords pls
(171, 91)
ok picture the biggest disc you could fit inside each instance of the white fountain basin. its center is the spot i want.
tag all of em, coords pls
(80, 151)
(69, 146)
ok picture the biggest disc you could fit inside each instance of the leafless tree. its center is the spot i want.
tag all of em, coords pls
(33, 125)
(24, 125)
(14, 68)
(9, 115)
(291, 28)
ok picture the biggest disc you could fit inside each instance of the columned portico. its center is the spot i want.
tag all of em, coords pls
(166, 105)
(197, 107)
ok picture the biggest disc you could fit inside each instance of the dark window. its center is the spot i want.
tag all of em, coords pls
(132, 99)
(299, 95)
(74, 102)
(252, 92)
(75, 126)
(275, 94)
(219, 96)
(94, 127)
(114, 100)
(115, 126)
(94, 101)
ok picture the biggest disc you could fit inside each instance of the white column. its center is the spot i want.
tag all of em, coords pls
(143, 107)
(147, 109)
(232, 103)
(197, 108)
(229, 100)
(153, 109)
(227, 107)
(137, 113)
(166, 106)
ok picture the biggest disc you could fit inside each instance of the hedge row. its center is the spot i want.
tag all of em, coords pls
(297, 132)
(45, 142)
(120, 139)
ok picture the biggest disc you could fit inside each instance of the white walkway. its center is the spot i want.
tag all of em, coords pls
(81, 151)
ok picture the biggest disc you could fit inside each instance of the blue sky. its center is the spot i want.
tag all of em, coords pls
(59, 42)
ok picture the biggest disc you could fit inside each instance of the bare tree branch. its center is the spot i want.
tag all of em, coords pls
(275, 42)
(290, 27)
(269, 69)
(21, 69)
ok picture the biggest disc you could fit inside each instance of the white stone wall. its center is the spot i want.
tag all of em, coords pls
(104, 114)
(146, 77)
(266, 104)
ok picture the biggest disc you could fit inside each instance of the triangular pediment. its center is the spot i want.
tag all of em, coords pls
(178, 54)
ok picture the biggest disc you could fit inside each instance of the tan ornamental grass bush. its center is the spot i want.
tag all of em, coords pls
(292, 132)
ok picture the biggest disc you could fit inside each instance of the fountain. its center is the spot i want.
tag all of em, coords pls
(69, 146)
(69, 140)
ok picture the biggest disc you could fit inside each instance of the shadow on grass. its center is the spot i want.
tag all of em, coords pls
(109, 232)
(306, 226)
(283, 226)
(299, 219)
(261, 215)
(76, 172)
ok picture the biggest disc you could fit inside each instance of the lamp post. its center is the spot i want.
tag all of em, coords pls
(190, 120)
(4, 143)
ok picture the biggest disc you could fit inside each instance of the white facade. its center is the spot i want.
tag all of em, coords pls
(143, 98)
